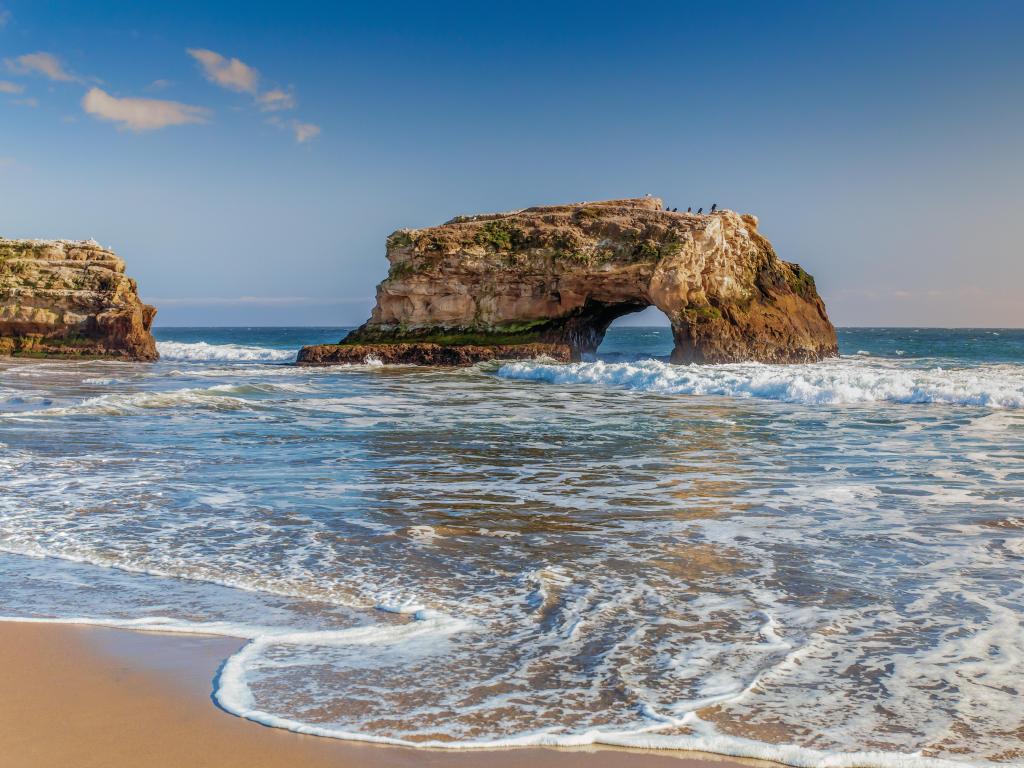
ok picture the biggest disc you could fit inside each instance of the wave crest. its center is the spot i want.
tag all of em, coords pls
(220, 398)
(202, 351)
(828, 383)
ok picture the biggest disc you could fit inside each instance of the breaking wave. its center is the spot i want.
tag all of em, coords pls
(830, 383)
(222, 397)
(201, 351)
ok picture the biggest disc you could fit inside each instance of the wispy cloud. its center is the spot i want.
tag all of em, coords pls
(6, 86)
(28, 102)
(41, 63)
(233, 74)
(236, 75)
(159, 85)
(304, 131)
(275, 100)
(5, 16)
(141, 114)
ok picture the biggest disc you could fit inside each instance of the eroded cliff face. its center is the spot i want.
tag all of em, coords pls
(561, 274)
(62, 298)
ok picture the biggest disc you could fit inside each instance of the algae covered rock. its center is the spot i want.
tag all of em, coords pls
(428, 354)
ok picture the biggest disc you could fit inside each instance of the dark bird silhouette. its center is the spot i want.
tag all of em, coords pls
(689, 209)
(700, 210)
(674, 210)
(714, 206)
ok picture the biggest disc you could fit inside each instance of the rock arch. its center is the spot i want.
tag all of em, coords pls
(560, 275)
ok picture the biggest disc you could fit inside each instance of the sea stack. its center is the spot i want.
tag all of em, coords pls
(550, 280)
(70, 298)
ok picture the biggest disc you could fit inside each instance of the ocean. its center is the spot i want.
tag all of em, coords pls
(815, 564)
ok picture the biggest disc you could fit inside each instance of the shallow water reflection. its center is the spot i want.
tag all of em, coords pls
(454, 556)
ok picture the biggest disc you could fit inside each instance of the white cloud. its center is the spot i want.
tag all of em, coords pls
(159, 85)
(233, 74)
(304, 131)
(141, 114)
(236, 75)
(6, 86)
(41, 63)
(276, 99)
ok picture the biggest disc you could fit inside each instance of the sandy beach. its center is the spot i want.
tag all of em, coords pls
(86, 696)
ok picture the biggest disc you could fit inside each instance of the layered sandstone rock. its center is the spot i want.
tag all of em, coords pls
(562, 274)
(62, 298)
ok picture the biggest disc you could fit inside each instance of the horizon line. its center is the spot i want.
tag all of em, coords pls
(838, 327)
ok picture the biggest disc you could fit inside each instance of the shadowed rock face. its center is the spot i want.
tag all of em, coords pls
(61, 298)
(562, 274)
(428, 354)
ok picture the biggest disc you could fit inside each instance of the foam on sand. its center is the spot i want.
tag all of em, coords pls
(233, 692)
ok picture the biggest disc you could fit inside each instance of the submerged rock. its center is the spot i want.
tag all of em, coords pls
(64, 298)
(561, 274)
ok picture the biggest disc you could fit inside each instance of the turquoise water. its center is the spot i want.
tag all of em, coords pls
(964, 346)
(922, 345)
(816, 564)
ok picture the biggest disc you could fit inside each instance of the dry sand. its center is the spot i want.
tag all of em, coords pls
(87, 696)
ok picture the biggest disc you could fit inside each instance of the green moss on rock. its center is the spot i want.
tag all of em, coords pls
(501, 235)
(506, 333)
(400, 239)
(800, 282)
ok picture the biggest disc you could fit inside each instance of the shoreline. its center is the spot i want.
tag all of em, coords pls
(95, 696)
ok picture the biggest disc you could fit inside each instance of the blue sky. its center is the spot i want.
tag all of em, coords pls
(249, 158)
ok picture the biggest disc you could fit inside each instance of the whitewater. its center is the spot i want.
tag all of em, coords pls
(819, 565)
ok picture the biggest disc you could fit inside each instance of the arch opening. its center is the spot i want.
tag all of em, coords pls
(644, 332)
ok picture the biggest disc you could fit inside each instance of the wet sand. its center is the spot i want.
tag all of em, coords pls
(86, 696)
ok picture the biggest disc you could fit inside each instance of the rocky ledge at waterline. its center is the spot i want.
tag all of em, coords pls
(559, 275)
(70, 298)
(429, 353)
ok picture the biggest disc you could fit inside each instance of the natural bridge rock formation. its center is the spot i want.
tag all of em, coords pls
(63, 298)
(559, 275)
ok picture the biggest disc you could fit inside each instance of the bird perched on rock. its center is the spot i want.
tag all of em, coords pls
(714, 207)
(675, 210)
(689, 209)
(700, 210)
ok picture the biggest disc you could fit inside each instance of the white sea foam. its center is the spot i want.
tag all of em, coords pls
(423, 534)
(826, 383)
(201, 351)
(154, 624)
(233, 695)
(218, 398)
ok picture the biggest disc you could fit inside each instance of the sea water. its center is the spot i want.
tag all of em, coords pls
(816, 564)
